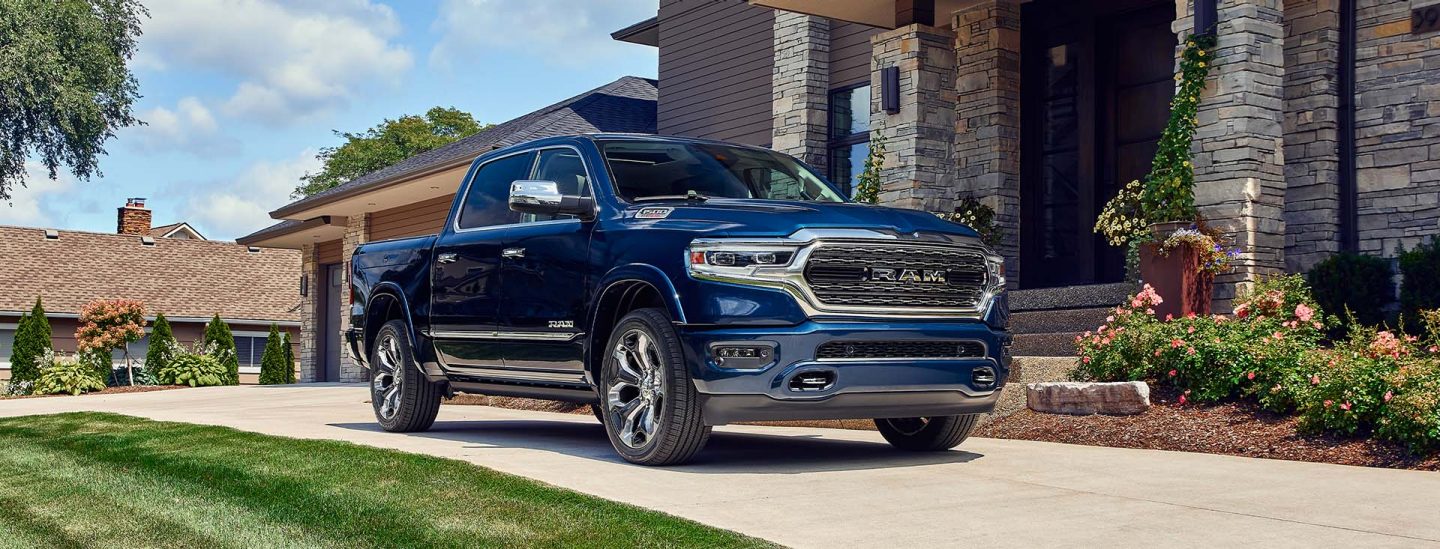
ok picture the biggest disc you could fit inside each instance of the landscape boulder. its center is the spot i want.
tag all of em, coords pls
(1083, 399)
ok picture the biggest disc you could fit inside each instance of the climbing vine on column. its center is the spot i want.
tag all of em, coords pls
(1167, 193)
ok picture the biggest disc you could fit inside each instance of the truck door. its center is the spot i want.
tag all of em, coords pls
(544, 278)
(466, 269)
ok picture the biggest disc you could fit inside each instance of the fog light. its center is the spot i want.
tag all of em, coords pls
(741, 355)
(742, 352)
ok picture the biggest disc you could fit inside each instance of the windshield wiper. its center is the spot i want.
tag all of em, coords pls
(692, 195)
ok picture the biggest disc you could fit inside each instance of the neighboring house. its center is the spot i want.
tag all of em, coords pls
(182, 275)
(1317, 133)
(413, 198)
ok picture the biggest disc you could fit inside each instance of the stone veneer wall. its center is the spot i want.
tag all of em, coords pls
(309, 308)
(357, 232)
(987, 126)
(800, 83)
(1397, 127)
(1312, 161)
(1239, 156)
(919, 166)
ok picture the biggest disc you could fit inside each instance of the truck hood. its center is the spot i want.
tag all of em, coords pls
(771, 218)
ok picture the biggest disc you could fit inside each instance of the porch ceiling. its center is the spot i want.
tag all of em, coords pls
(876, 13)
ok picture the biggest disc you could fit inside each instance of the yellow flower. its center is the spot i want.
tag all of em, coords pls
(1202, 64)
(1190, 44)
(1201, 53)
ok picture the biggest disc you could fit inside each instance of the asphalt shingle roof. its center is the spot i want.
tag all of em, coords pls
(627, 105)
(178, 277)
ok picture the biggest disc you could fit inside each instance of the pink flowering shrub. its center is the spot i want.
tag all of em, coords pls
(1410, 413)
(108, 324)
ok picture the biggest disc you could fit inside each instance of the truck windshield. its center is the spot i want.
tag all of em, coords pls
(645, 171)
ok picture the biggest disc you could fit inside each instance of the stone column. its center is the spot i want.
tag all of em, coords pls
(1312, 162)
(1239, 156)
(357, 232)
(800, 82)
(919, 168)
(309, 307)
(987, 125)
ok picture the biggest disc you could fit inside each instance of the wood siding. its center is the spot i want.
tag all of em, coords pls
(421, 218)
(850, 53)
(331, 252)
(715, 61)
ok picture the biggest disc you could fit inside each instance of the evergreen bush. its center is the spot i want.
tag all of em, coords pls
(289, 360)
(221, 345)
(163, 346)
(1420, 281)
(1359, 283)
(272, 362)
(32, 341)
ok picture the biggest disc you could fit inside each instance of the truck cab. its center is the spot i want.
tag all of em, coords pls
(677, 284)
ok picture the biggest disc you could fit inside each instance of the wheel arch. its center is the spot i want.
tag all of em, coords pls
(386, 303)
(623, 291)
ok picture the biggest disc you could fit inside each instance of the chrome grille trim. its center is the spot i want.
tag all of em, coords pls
(836, 275)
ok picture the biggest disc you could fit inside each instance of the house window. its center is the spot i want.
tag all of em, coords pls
(849, 135)
(249, 349)
(7, 344)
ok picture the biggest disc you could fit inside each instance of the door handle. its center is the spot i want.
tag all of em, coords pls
(446, 258)
(513, 253)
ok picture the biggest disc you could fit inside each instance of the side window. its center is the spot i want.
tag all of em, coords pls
(567, 170)
(488, 201)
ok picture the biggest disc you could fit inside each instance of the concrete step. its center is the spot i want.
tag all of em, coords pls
(1058, 321)
(1025, 370)
(1071, 297)
(1047, 344)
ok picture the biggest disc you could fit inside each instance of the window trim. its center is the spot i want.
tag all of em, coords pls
(534, 162)
(833, 143)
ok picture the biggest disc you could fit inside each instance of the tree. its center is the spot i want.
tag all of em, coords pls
(64, 84)
(32, 339)
(272, 362)
(386, 144)
(289, 360)
(870, 181)
(110, 324)
(163, 347)
(220, 343)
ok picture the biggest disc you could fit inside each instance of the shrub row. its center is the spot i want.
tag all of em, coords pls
(1362, 285)
(1375, 382)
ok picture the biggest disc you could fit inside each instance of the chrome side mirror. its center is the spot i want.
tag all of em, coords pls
(543, 197)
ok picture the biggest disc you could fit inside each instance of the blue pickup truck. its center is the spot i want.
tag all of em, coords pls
(676, 284)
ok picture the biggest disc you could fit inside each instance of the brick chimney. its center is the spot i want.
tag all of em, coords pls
(134, 218)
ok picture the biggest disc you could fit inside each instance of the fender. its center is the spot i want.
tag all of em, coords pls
(643, 273)
(392, 289)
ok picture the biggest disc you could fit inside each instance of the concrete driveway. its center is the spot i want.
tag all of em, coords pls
(828, 488)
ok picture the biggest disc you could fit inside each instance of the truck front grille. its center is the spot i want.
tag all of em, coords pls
(836, 350)
(897, 275)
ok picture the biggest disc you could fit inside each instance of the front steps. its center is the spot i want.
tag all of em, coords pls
(1045, 321)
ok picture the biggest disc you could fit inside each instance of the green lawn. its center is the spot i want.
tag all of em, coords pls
(73, 480)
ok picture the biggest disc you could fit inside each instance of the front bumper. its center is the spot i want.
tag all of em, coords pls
(859, 388)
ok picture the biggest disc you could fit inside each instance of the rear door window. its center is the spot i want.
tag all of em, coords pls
(487, 202)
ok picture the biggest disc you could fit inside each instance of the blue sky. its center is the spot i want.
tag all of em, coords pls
(240, 94)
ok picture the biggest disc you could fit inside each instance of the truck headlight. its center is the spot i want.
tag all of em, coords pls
(996, 266)
(740, 259)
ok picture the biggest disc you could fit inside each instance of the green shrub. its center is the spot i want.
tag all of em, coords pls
(32, 342)
(1355, 282)
(289, 359)
(67, 376)
(193, 369)
(1347, 391)
(1420, 270)
(272, 363)
(1411, 414)
(220, 345)
(1119, 350)
(163, 347)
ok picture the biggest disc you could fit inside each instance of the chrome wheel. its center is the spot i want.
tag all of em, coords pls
(636, 396)
(387, 385)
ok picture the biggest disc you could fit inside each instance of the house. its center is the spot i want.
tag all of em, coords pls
(172, 269)
(1316, 133)
(413, 198)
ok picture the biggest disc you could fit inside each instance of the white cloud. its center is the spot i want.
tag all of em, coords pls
(293, 59)
(188, 127)
(242, 205)
(30, 205)
(560, 32)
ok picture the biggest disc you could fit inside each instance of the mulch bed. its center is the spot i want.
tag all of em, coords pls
(1237, 429)
(111, 391)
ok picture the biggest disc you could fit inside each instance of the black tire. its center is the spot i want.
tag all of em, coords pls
(659, 390)
(927, 434)
(417, 399)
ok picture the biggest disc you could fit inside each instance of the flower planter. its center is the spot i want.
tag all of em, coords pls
(1176, 276)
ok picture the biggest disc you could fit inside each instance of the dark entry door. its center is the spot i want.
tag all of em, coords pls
(330, 324)
(1097, 82)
